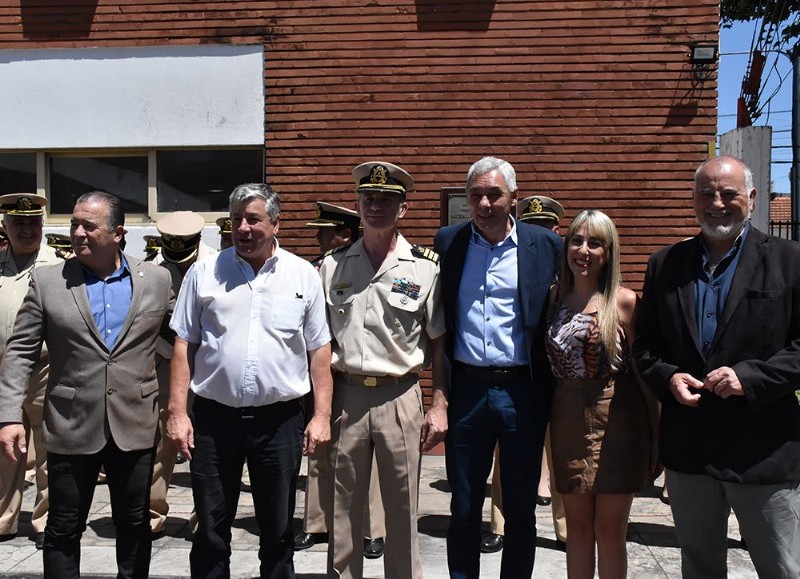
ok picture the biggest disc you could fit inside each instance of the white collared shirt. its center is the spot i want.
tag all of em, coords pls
(253, 330)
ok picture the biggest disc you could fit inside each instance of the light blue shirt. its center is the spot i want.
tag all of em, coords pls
(110, 300)
(489, 320)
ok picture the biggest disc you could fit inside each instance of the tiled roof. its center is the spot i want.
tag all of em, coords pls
(780, 208)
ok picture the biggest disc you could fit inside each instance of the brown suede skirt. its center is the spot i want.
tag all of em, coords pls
(600, 435)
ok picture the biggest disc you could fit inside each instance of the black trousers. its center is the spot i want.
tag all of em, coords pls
(270, 438)
(72, 480)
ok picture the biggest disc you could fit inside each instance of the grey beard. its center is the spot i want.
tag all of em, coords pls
(724, 232)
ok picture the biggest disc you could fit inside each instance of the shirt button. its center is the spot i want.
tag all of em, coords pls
(110, 390)
(108, 331)
(708, 315)
(488, 318)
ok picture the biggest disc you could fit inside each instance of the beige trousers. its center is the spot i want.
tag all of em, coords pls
(12, 474)
(166, 454)
(319, 496)
(557, 506)
(381, 423)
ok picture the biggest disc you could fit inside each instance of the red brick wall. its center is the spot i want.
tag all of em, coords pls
(594, 102)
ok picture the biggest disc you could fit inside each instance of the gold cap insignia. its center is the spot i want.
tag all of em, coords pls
(378, 175)
(24, 204)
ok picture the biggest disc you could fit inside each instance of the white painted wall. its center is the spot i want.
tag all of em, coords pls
(140, 97)
(753, 145)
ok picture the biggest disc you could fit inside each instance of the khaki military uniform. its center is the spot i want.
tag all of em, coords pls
(381, 323)
(13, 287)
(166, 451)
(319, 496)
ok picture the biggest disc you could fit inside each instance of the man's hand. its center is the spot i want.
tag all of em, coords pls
(434, 428)
(681, 384)
(723, 382)
(12, 439)
(181, 433)
(317, 434)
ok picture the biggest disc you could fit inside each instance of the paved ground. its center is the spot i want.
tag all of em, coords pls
(651, 540)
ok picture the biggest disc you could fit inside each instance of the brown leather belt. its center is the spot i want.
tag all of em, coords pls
(372, 381)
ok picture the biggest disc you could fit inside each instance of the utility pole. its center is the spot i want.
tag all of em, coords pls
(794, 56)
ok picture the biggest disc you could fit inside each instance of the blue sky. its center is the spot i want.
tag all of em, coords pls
(732, 67)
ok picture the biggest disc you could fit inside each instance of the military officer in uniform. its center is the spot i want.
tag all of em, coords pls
(382, 295)
(152, 249)
(61, 243)
(23, 217)
(336, 227)
(224, 224)
(546, 212)
(181, 246)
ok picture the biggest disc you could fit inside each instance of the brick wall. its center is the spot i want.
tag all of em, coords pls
(594, 102)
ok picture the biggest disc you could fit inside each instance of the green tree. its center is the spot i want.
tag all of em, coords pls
(783, 14)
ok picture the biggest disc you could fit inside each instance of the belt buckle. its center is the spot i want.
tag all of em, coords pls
(370, 381)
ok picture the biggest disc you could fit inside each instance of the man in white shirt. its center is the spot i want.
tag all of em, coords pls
(250, 324)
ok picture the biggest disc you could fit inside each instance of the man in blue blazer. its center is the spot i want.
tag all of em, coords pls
(496, 273)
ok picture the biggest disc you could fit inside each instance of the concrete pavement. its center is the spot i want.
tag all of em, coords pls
(652, 547)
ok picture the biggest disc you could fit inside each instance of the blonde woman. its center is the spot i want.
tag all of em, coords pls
(599, 426)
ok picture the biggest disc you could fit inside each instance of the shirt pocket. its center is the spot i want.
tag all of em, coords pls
(405, 311)
(340, 302)
(287, 314)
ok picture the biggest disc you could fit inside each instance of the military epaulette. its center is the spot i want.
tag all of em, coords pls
(429, 254)
(336, 250)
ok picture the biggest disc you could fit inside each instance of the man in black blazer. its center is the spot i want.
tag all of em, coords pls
(496, 273)
(718, 340)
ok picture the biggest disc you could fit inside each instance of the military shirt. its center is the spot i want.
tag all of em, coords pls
(13, 288)
(382, 321)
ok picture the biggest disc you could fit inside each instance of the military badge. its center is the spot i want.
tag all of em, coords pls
(406, 287)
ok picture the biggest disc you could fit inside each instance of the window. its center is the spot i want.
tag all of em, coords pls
(202, 181)
(149, 183)
(17, 173)
(70, 177)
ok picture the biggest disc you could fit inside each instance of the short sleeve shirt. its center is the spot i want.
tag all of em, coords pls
(253, 330)
(382, 321)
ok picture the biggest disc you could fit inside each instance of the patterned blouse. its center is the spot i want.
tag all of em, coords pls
(574, 348)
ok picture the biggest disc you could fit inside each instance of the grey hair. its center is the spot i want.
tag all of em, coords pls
(248, 191)
(748, 173)
(6, 216)
(489, 164)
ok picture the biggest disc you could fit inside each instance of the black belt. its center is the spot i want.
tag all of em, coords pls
(491, 374)
(248, 411)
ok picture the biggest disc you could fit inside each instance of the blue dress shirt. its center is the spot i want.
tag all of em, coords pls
(712, 287)
(110, 300)
(489, 320)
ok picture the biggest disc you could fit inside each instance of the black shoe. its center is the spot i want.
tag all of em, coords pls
(7, 537)
(156, 535)
(38, 540)
(373, 548)
(543, 501)
(492, 543)
(304, 541)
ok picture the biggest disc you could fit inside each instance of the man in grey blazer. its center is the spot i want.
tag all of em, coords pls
(99, 314)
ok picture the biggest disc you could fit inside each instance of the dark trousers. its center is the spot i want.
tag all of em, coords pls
(72, 480)
(270, 438)
(481, 415)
